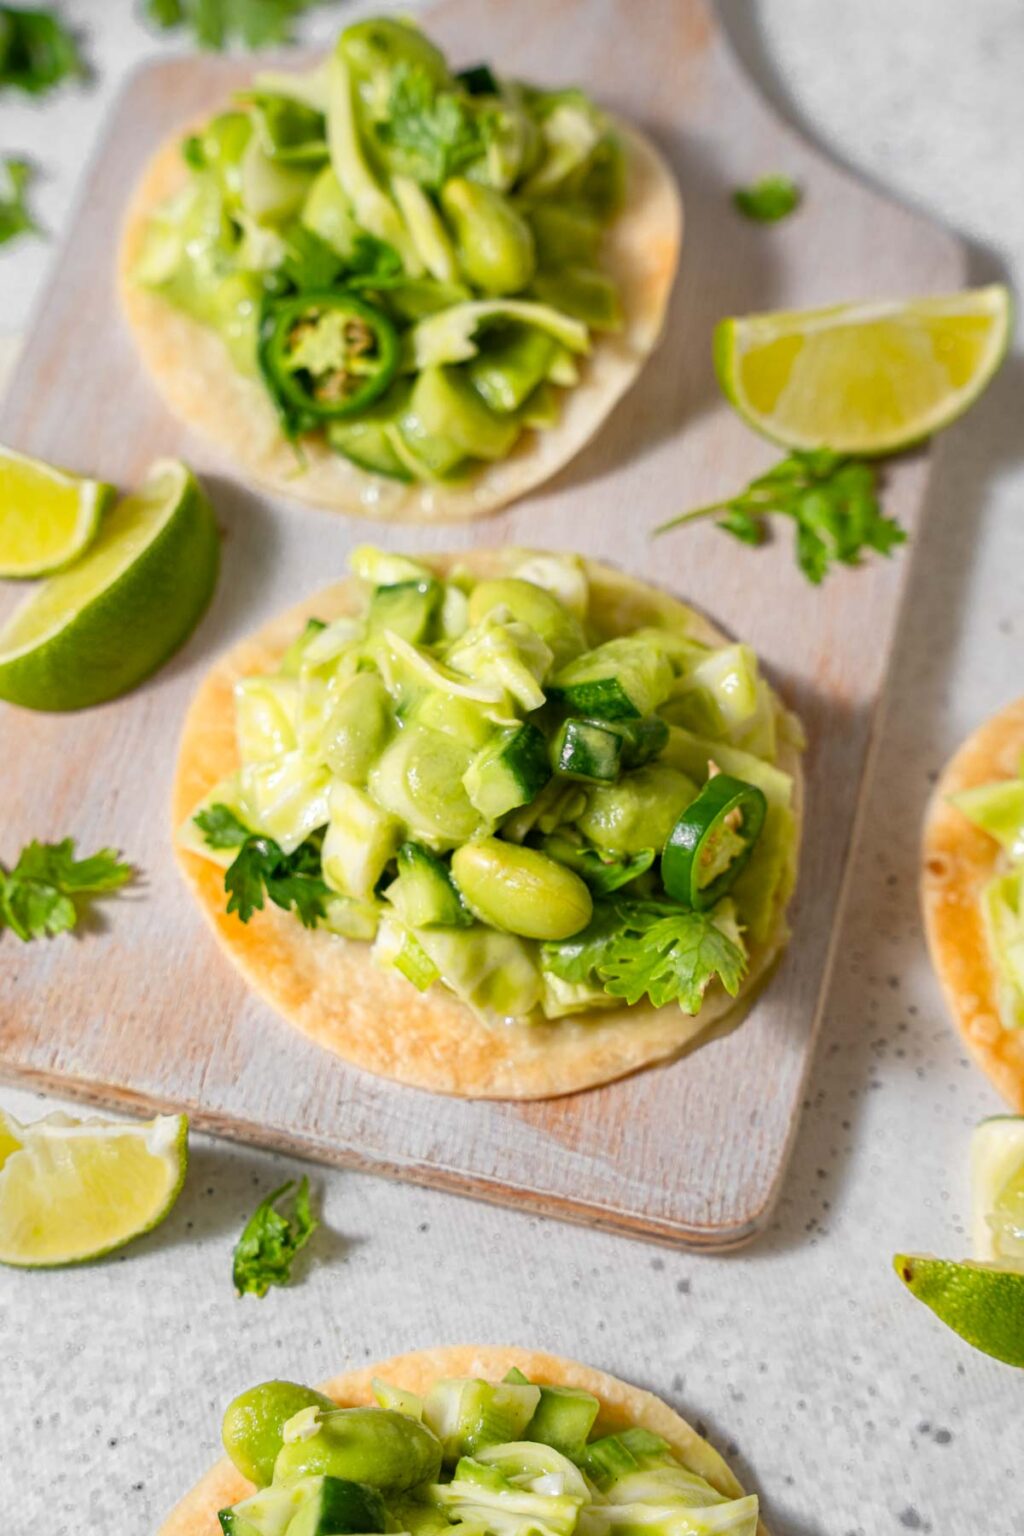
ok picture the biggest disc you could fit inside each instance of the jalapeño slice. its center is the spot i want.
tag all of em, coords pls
(712, 841)
(325, 356)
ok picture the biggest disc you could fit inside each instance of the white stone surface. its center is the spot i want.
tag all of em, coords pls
(848, 1407)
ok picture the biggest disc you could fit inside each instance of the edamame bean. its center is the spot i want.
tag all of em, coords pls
(639, 811)
(253, 1424)
(376, 1446)
(532, 605)
(520, 890)
(495, 245)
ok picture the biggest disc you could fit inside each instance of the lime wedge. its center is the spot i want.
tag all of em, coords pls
(982, 1303)
(72, 1190)
(863, 378)
(96, 630)
(997, 1191)
(47, 517)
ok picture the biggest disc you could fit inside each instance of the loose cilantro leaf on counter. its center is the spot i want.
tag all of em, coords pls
(262, 866)
(771, 198)
(15, 218)
(266, 1250)
(650, 949)
(831, 497)
(216, 23)
(431, 128)
(39, 896)
(37, 50)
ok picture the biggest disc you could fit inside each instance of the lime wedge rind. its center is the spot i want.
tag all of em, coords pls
(907, 382)
(983, 1303)
(36, 538)
(46, 1222)
(92, 632)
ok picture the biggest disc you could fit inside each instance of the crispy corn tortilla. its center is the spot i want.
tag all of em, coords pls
(329, 988)
(958, 861)
(196, 377)
(621, 1406)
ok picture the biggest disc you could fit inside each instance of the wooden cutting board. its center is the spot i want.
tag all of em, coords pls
(141, 1012)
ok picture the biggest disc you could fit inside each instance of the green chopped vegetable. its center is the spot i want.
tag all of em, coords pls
(431, 132)
(270, 1240)
(653, 950)
(767, 200)
(483, 777)
(42, 895)
(15, 217)
(216, 23)
(291, 880)
(37, 50)
(357, 232)
(831, 497)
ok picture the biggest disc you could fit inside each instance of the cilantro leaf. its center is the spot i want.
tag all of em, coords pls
(432, 131)
(15, 218)
(291, 880)
(37, 50)
(216, 23)
(37, 897)
(833, 500)
(270, 1240)
(650, 949)
(220, 827)
(771, 198)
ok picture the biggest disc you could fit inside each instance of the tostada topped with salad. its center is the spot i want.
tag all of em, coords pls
(486, 1441)
(397, 290)
(504, 824)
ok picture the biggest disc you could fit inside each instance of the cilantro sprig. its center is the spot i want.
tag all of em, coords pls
(262, 868)
(44, 893)
(433, 130)
(768, 200)
(831, 497)
(15, 217)
(650, 949)
(216, 23)
(270, 1240)
(37, 50)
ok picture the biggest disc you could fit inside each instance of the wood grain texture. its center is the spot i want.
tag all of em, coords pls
(145, 1013)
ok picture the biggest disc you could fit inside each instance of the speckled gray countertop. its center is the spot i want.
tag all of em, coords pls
(848, 1407)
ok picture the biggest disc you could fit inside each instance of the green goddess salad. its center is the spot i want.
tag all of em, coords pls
(408, 260)
(506, 1458)
(519, 778)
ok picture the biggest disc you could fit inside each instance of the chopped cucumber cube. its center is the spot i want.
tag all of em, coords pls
(564, 1418)
(467, 1414)
(620, 680)
(390, 1396)
(408, 608)
(424, 895)
(361, 838)
(510, 771)
(587, 749)
(333, 1506)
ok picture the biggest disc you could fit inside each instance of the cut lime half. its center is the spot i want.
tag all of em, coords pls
(866, 378)
(982, 1303)
(997, 1191)
(72, 1190)
(96, 630)
(47, 518)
